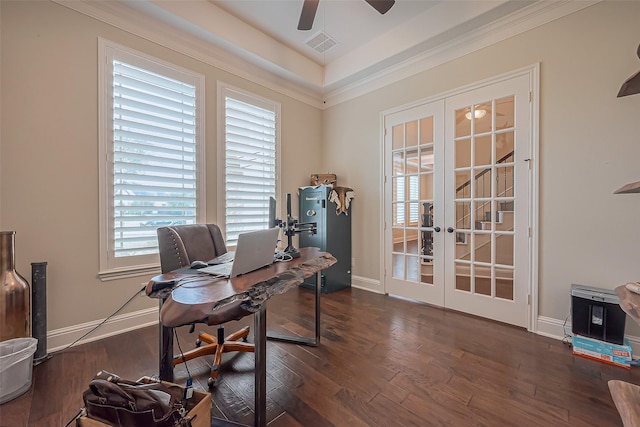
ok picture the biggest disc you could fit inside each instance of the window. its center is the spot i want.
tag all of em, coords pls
(400, 191)
(248, 160)
(414, 208)
(151, 156)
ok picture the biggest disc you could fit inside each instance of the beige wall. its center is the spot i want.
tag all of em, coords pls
(589, 146)
(49, 151)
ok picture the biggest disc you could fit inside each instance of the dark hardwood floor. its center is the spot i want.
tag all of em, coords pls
(383, 361)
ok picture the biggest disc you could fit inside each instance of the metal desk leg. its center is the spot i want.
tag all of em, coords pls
(166, 351)
(260, 343)
(304, 340)
(318, 287)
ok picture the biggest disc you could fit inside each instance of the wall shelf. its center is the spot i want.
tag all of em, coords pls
(633, 187)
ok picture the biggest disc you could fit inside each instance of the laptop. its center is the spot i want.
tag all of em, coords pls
(254, 250)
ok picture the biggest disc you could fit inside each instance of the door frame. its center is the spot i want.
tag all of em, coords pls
(533, 74)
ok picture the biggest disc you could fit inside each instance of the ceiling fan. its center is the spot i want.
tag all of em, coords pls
(310, 7)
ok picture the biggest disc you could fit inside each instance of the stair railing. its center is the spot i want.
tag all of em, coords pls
(483, 186)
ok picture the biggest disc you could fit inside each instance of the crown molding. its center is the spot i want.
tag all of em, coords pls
(201, 46)
(133, 21)
(528, 18)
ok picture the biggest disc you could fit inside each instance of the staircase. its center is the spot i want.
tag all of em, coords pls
(504, 220)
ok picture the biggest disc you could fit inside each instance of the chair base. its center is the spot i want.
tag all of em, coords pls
(229, 343)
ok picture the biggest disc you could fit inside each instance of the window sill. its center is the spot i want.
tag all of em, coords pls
(126, 272)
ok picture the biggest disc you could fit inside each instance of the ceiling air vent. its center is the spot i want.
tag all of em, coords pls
(321, 42)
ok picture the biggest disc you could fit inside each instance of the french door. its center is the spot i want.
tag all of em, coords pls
(414, 194)
(457, 184)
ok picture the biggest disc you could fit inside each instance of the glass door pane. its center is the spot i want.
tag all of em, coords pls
(412, 196)
(415, 185)
(484, 198)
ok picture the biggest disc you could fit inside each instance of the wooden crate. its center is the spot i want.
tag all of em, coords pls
(328, 179)
(199, 409)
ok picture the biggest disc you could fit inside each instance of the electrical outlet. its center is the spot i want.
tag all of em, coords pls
(353, 262)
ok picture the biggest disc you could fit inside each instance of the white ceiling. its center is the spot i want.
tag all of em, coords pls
(352, 23)
(366, 39)
(259, 40)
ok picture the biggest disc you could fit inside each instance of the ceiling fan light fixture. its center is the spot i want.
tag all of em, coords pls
(478, 114)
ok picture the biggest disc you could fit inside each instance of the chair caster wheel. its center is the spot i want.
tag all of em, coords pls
(198, 343)
(245, 339)
(212, 382)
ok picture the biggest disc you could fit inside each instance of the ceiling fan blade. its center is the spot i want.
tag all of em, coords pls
(381, 6)
(308, 14)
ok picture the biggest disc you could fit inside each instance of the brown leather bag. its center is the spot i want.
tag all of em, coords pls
(123, 403)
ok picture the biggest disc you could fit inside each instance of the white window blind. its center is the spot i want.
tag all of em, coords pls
(401, 191)
(400, 215)
(250, 164)
(154, 157)
(151, 155)
(414, 209)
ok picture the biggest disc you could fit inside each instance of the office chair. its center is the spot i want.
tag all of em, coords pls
(179, 246)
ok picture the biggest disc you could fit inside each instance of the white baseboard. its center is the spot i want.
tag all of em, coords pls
(367, 284)
(546, 326)
(554, 328)
(59, 339)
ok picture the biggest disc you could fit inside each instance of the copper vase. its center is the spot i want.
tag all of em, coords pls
(15, 296)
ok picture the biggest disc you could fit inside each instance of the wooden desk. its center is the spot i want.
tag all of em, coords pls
(189, 298)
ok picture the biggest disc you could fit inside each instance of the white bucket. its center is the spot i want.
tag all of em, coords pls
(16, 364)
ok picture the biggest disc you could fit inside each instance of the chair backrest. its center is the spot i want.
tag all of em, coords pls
(180, 245)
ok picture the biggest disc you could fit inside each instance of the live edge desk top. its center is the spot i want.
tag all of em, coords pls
(190, 297)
